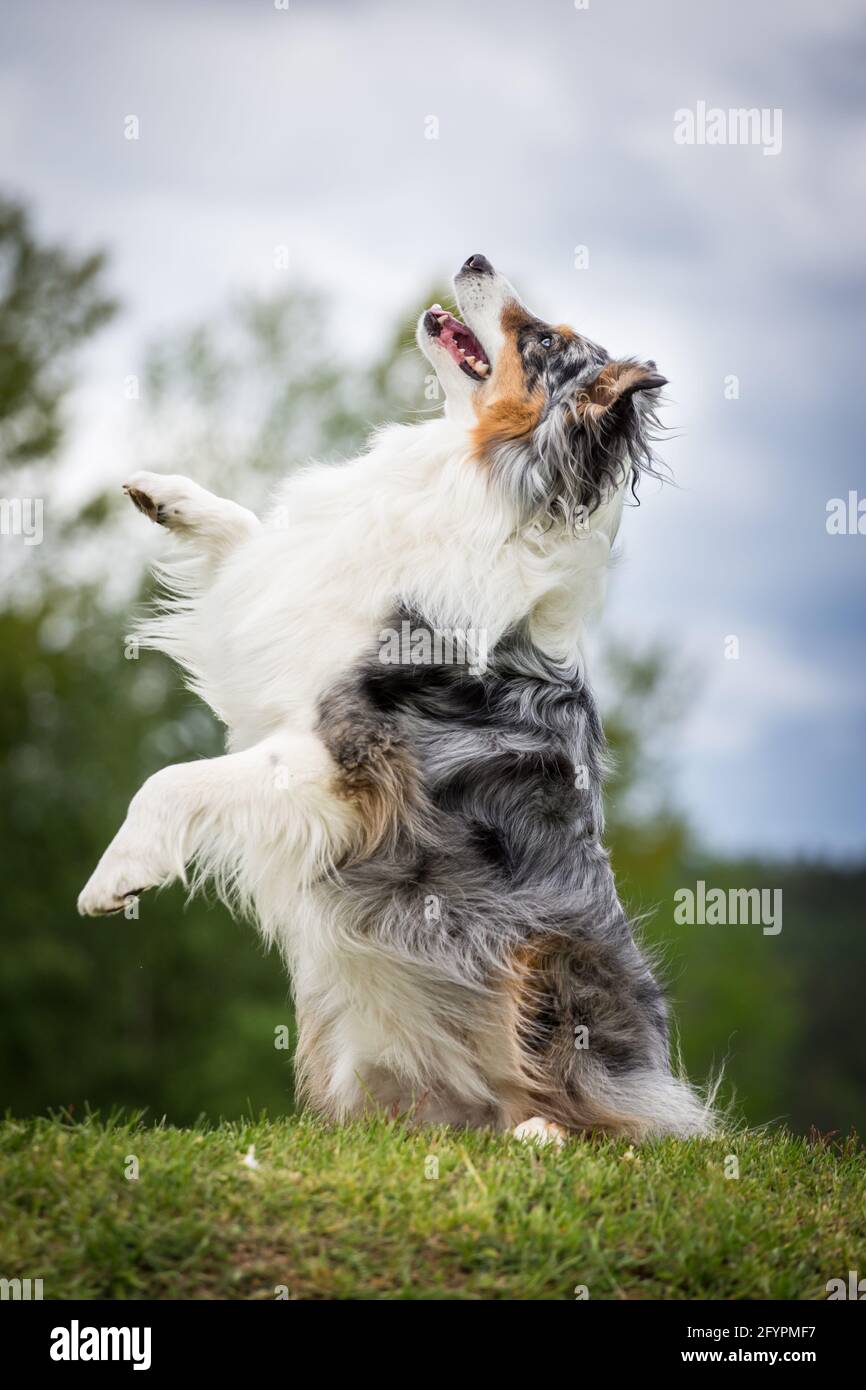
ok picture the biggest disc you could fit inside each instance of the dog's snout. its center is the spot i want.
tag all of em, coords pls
(478, 263)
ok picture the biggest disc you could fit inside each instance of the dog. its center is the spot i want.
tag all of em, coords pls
(410, 806)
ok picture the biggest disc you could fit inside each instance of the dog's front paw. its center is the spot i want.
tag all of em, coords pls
(117, 879)
(167, 498)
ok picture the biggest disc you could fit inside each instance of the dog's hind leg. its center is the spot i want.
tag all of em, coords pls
(239, 819)
(214, 524)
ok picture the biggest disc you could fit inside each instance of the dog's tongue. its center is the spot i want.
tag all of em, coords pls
(460, 342)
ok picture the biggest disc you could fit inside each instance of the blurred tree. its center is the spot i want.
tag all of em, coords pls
(50, 303)
(645, 694)
(263, 388)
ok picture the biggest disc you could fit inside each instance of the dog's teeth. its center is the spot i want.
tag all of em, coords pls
(471, 361)
(462, 352)
(436, 308)
(482, 368)
(441, 318)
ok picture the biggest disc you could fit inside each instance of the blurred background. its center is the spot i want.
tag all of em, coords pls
(218, 224)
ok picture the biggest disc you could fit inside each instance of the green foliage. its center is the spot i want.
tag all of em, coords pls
(50, 303)
(376, 1211)
(176, 1010)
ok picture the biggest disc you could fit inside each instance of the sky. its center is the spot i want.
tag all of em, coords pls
(382, 143)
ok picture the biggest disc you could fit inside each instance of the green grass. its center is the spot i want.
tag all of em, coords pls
(351, 1213)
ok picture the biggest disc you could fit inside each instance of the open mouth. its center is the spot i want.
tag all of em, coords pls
(457, 340)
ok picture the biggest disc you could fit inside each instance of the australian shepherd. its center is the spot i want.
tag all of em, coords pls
(410, 805)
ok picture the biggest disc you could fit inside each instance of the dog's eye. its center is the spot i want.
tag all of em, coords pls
(545, 342)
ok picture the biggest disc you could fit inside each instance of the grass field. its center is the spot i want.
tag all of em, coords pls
(374, 1211)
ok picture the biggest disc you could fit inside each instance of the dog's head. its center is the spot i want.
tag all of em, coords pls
(559, 423)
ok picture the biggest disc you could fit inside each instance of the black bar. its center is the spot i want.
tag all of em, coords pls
(246, 1336)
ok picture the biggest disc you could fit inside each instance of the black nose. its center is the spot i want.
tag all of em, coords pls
(479, 263)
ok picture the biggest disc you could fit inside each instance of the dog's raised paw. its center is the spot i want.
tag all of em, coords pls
(541, 1132)
(99, 905)
(111, 888)
(163, 497)
(142, 501)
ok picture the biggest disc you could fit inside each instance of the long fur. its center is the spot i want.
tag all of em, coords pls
(422, 839)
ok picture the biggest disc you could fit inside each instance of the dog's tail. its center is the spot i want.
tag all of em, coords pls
(648, 1105)
(593, 1042)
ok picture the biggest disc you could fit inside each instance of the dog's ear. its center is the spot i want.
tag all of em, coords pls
(606, 403)
(597, 437)
(615, 421)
